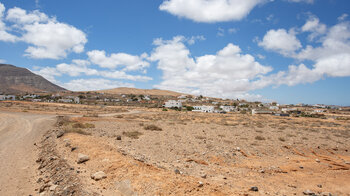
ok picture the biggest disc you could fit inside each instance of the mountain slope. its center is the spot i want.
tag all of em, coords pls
(135, 91)
(16, 80)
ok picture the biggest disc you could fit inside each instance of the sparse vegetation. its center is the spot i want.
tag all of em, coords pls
(259, 137)
(153, 128)
(132, 134)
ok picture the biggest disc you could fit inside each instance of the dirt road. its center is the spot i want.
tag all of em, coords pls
(18, 133)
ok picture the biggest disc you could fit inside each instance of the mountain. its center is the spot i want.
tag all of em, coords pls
(16, 80)
(135, 91)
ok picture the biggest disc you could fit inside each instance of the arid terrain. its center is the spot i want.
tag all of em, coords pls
(140, 151)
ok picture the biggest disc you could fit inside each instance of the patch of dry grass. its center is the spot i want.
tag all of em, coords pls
(132, 134)
(153, 128)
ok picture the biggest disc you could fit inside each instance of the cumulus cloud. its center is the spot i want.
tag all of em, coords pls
(47, 38)
(281, 41)
(314, 26)
(129, 62)
(227, 73)
(93, 84)
(210, 11)
(4, 35)
(331, 58)
(80, 67)
(2, 61)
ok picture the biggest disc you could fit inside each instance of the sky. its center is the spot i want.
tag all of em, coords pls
(289, 51)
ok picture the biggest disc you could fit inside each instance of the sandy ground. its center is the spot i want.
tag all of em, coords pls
(18, 133)
(187, 154)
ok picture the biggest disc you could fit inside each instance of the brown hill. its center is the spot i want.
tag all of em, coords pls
(135, 91)
(16, 80)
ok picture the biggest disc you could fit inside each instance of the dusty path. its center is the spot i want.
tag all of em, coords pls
(18, 133)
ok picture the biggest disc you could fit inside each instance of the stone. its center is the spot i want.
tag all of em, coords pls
(201, 184)
(119, 137)
(82, 158)
(177, 171)
(319, 185)
(204, 176)
(98, 175)
(326, 194)
(60, 134)
(53, 187)
(308, 192)
(317, 160)
(254, 188)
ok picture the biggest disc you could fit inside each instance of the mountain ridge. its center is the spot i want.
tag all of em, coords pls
(18, 80)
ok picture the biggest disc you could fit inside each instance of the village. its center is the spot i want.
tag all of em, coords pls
(184, 103)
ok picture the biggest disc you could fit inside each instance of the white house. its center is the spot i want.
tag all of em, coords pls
(65, 100)
(289, 109)
(173, 104)
(273, 107)
(7, 97)
(227, 108)
(76, 100)
(203, 108)
(182, 97)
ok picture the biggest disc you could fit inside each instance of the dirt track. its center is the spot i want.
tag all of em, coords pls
(18, 133)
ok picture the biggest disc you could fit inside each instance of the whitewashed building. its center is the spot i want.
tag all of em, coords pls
(76, 100)
(228, 108)
(173, 104)
(7, 97)
(274, 107)
(203, 108)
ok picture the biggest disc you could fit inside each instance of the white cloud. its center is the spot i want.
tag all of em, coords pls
(210, 11)
(94, 84)
(331, 59)
(130, 62)
(47, 38)
(80, 67)
(221, 32)
(314, 26)
(4, 35)
(343, 17)
(227, 73)
(302, 1)
(281, 41)
(53, 40)
(192, 40)
(2, 61)
(48, 73)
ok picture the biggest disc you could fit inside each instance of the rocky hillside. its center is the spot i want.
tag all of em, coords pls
(16, 80)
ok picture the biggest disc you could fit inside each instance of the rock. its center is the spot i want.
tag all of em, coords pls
(82, 158)
(73, 148)
(254, 188)
(204, 176)
(60, 134)
(319, 185)
(262, 171)
(301, 167)
(308, 192)
(326, 194)
(53, 187)
(238, 148)
(119, 137)
(317, 160)
(98, 175)
(201, 184)
(177, 171)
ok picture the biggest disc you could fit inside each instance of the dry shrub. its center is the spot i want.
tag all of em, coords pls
(75, 130)
(83, 125)
(118, 116)
(153, 128)
(200, 137)
(281, 139)
(132, 134)
(63, 120)
(92, 114)
(259, 137)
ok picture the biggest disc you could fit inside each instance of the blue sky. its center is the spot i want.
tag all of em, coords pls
(290, 51)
